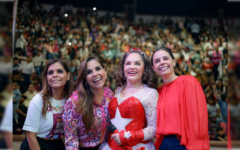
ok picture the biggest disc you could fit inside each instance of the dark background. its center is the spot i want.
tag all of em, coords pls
(157, 7)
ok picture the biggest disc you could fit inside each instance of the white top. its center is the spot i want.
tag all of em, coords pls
(84, 53)
(149, 98)
(186, 55)
(104, 28)
(63, 50)
(210, 53)
(34, 121)
(29, 97)
(7, 123)
(20, 42)
(176, 55)
(212, 110)
(6, 67)
(27, 68)
(234, 110)
(209, 45)
(195, 28)
(37, 60)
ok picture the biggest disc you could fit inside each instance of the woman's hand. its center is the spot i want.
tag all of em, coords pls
(116, 138)
(214, 86)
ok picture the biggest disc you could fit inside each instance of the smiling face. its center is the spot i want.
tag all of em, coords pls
(57, 76)
(133, 68)
(163, 64)
(31, 88)
(95, 74)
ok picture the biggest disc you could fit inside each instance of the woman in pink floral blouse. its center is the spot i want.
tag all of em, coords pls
(86, 114)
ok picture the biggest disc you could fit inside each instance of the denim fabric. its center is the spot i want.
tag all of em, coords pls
(171, 142)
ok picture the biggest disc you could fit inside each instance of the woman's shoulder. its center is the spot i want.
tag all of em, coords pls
(159, 89)
(119, 89)
(37, 99)
(146, 92)
(72, 100)
(187, 79)
(106, 89)
(108, 92)
(189, 83)
(149, 89)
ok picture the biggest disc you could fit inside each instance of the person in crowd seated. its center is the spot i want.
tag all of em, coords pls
(213, 111)
(22, 111)
(16, 98)
(220, 136)
(30, 93)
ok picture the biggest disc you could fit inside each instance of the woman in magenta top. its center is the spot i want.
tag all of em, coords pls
(86, 114)
(182, 116)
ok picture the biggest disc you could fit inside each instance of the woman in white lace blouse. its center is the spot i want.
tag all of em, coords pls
(133, 109)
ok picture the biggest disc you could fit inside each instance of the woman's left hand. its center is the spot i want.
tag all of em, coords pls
(116, 138)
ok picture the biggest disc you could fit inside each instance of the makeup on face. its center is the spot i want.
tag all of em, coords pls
(163, 64)
(133, 67)
(57, 76)
(95, 74)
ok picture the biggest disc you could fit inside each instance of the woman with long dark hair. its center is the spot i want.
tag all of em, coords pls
(44, 125)
(133, 109)
(182, 116)
(86, 114)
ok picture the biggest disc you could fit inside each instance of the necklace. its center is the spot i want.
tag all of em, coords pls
(126, 89)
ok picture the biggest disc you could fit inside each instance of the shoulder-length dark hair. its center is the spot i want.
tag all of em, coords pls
(149, 77)
(162, 48)
(85, 101)
(47, 91)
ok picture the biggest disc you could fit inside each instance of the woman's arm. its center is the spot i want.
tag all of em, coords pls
(149, 104)
(218, 113)
(70, 126)
(215, 92)
(32, 140)
(194, 115)
(220, 138)
(32, 121)
(20, 112)
(8, 139)
(32, 68)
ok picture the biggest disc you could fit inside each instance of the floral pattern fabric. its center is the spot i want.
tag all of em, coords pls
(74, 128)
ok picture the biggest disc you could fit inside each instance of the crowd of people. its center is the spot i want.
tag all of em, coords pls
(199, 48)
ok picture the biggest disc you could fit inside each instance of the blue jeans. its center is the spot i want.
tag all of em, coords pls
(38, 70)
(171, 142)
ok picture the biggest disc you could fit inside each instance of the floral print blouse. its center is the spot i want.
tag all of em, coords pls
(74, 129)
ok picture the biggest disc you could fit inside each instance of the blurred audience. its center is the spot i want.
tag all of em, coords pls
(199, 46)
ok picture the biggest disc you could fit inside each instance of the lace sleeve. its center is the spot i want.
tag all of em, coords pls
(150, 105)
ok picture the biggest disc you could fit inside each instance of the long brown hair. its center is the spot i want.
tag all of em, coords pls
(47, 91)
(85, 102)
(149, 77)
